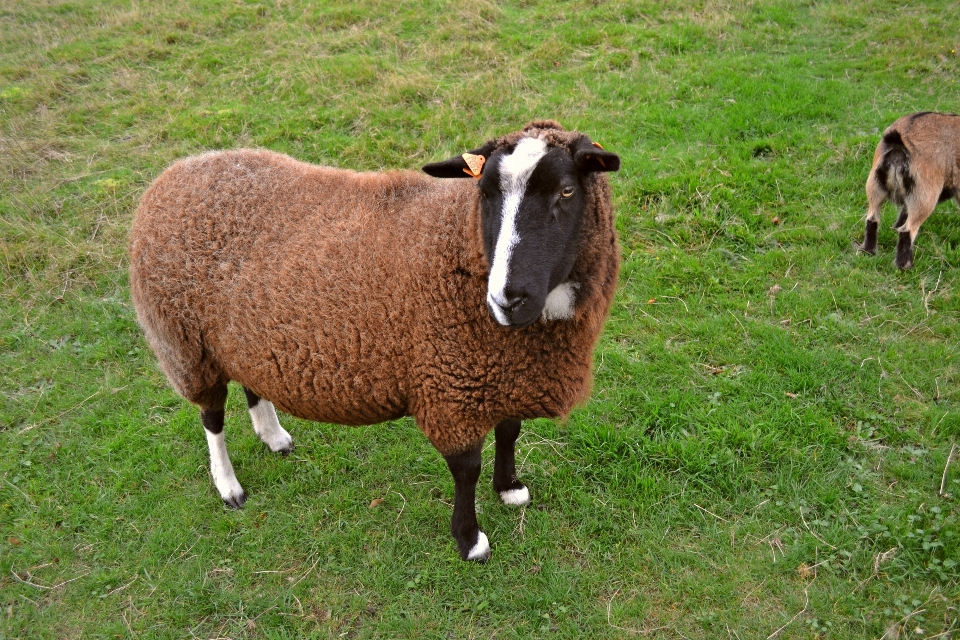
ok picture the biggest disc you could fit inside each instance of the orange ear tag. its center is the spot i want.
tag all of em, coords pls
(599, 159)
(474, 165)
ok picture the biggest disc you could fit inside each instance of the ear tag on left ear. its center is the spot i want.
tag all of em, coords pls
(599, 159)
(474, 164)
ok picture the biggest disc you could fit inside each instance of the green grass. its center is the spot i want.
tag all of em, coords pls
(772, 413)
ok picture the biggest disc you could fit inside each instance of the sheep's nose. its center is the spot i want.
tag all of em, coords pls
(512, 299)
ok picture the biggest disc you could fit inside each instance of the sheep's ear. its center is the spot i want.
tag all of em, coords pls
(590, 156)
(467, 165)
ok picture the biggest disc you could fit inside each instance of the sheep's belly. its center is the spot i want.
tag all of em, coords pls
(351, 414)
(308, 386)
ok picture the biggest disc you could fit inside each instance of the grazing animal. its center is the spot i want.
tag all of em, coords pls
(356, 298)
(916, 166)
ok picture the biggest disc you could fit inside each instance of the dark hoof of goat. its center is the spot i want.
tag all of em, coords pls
(904, 259)
(863, 249)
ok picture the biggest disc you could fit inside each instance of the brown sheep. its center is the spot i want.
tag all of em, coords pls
(356, 298)
(916, 166)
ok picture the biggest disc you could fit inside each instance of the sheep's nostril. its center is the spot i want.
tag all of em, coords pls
(513, 299)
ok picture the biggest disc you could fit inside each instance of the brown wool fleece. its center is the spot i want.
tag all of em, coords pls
(355, 298)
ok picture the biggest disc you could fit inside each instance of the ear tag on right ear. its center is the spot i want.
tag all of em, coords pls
(474, 164)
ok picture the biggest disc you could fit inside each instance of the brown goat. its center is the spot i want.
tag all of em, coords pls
(916, 166)
(356, 298)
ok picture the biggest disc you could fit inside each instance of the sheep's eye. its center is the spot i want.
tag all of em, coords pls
(567, 192)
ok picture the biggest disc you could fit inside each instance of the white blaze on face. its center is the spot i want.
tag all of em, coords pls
(515, 170)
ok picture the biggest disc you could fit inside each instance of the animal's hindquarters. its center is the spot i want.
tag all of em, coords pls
(916, 165)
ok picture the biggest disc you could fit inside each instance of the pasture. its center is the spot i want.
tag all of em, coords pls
(767, 450)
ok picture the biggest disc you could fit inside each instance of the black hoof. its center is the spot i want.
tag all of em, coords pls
(483, 559)
(904, 259)
(236, 502)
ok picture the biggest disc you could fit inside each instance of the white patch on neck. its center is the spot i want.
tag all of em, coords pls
(560, 301)
(515, 170)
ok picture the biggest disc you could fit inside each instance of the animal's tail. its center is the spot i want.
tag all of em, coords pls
(893, 172)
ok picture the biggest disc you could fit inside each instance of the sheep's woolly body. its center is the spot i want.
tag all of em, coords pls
(355, 298)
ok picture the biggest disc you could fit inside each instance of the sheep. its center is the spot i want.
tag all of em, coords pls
(916, 166)
(357, 298)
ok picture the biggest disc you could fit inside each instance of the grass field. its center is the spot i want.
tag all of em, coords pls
(765, 453)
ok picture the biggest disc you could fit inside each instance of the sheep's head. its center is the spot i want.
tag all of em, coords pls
(532, 187)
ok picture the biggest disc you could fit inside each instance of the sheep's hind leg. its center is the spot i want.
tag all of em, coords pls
(465, 468)
(505, 482)
(267, 425)
(211, 415)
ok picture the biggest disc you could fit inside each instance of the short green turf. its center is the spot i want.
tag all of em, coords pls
(767, 449)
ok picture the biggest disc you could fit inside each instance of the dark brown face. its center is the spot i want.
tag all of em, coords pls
(532, 202)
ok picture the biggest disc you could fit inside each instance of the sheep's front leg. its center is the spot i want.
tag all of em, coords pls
(465, 468)
(505, 482)
(220, 468)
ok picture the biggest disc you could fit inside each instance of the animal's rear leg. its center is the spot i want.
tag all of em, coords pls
(901, 218)
(267, 425)
(211, 415)
(904, 259)
(505, 482)
(465, 467)
(876, 195)
(918, 209)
